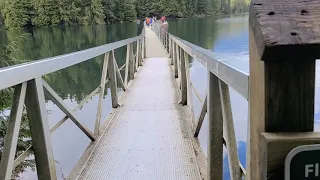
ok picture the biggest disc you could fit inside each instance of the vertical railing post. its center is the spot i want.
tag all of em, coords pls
(12, 133)
(173, 53)
(140, 52)
(113, 80)
(229, 133)
(215, 118)
(162, 37)
(160, 34)
(101, 94)
(144, 47)
(281, 84)
(126, 74)
(179, 65)
(165, 41)
(40, 133)
(131, 62)
(168, 41)
(183, 79)
(137, 56)
(170, 50)
(175, 62)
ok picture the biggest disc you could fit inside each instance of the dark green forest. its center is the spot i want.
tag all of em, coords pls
(21, 13)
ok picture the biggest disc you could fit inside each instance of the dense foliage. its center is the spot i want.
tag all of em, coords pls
(6, 99)
(20, 13)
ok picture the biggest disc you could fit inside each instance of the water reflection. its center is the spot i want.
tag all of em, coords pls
(72, 84)
(228, 38)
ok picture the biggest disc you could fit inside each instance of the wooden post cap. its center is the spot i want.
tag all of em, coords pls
(286, 30)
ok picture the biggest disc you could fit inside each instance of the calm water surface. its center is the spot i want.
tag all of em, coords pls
(73, 84)
(227, 36)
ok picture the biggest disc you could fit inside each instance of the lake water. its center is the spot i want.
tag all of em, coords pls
(226, 36)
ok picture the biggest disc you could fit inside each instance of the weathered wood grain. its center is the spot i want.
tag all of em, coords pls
(40, 133)
(286, 30)
(215, 117)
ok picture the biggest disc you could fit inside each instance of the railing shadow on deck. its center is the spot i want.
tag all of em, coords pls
(221, 76)
(30, 90)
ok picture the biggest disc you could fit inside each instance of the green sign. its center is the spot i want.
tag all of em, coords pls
(303, 163)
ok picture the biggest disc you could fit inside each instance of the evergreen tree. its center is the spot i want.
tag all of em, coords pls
(17, 13)
(171, 8)
(109, 9)
(70, 11)
(47, 12)
(97, 12)
(120, 4)
(225, 6)
(202, 7)
(182, 7)
(141, 8)
(190, 7)
(1, 13)
(216, 6)
(130, 13)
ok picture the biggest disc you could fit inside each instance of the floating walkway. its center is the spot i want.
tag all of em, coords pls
(148, 135)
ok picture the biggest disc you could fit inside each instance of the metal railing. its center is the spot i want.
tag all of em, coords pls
(216, 104)
(31, 88)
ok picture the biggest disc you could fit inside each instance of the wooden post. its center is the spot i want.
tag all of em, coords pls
(173, 45)
(12, 134)
(215, 145)
(284, 44)
(137, 56)
(101, 94)
(163, 38)
(179, 65)
(145, 48)
(39, 127)
(176, 60)
(131, 63)
(201, 117)
(170, 50)
(166, 41)
(126, 74)
(183, 79)
(140, 53)
(113, 80)
(229, 133)
(142, 49)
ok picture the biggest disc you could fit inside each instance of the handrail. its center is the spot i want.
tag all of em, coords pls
(216, 104)
(13, 75)
(234, 77)
(30, 90)
(231, 75)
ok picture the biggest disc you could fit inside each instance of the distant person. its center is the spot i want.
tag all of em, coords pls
(148, 22)
(162, 19)
(151, 21)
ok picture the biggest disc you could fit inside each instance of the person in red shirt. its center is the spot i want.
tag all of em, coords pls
(148, 22)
